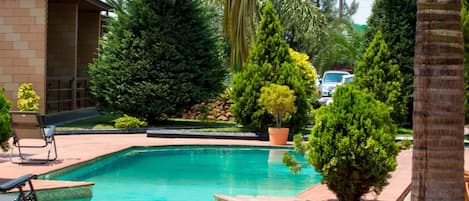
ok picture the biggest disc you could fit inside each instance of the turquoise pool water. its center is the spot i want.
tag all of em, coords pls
(181, 173)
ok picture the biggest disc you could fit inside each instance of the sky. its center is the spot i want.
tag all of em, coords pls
(363, 12)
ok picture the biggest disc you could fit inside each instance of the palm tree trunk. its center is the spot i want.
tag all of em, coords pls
(341, 4)
(438, 157)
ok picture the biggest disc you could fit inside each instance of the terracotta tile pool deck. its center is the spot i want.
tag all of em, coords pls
(74, 149)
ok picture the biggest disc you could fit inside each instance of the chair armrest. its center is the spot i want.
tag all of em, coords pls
(16, 183)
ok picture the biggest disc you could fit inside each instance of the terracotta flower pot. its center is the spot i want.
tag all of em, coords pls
(278, 136)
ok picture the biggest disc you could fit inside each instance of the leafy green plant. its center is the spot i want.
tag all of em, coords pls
(269, 63)
(129, 122)
(204, 111)
(404, 144)
(308, 73)
(352, 144)
(5, 126)
(28, 100)
(279, 101)
(158, 59)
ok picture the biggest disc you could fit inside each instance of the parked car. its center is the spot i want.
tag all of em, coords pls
(329, 82)
(346, 79)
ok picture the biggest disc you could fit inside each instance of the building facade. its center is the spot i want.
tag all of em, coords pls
(49, 43)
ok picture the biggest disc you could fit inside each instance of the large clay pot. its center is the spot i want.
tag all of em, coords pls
(278, 136)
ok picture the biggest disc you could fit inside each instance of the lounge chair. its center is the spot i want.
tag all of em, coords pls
(29, 132)
(19, 183)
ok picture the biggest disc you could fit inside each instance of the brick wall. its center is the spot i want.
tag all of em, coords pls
(23, 47)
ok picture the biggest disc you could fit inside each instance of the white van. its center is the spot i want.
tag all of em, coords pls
(329, 82)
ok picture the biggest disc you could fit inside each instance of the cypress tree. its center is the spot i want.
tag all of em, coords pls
(378, 74)
(268, 63)
(159, 58)
(396, 19)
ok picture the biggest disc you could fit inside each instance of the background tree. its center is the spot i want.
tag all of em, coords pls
(337, 9)
(438, 123)
(118, 5)
(268, 63)
(351, 144)
(465, 28)
(5, 125)
(378, 74)
(306, 71)
(303, 24)
(150, 64)
(340, 48)
(322, 35)
(396, 21)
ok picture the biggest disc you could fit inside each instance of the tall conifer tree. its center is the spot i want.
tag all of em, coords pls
(396, 21)
(378, 74)
(268, 62)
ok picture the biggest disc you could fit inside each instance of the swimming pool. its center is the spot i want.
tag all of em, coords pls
(176, 173)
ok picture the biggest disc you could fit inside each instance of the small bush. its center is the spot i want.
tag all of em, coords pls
(352, 144)
(404, 144)
(28, 100)
(278, 100)
(129, 122)
(204, 111)
(5, 126)
(307, 72)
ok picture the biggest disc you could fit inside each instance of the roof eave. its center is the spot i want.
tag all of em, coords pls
(100, 4)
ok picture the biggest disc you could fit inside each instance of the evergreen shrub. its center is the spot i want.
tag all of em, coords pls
(5, 125)
(158, 59)
(351, 144)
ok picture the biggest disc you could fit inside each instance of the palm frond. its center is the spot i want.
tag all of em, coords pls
(239, 25)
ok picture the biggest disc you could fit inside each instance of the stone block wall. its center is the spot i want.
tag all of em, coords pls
(23, 47)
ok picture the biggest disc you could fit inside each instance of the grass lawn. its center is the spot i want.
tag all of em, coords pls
(404, 132)
(102, 121)
(106, 121)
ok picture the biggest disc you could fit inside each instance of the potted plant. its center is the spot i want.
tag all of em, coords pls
(278, 100)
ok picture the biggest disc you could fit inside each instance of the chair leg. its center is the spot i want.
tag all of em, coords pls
(29, 196)
(12, 148)
(52, 145)
(23, 160)
(32, 193)
(55, 150)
